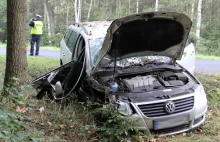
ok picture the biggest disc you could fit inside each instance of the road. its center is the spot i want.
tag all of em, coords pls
(202, 66)
(44, 53)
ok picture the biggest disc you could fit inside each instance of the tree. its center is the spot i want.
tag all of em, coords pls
(90, 7)
(199, 19)
(78, 10)
(156, 5)
(192, 11)
(16, 59)
(50, 18)
(3, 20)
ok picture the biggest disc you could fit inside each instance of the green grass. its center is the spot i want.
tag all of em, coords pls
(207, 57)
(2, 45)
(68, 119)
(36, 66)
(49, 48)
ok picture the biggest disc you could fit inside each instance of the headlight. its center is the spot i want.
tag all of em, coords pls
(199, 93)
(124, 108)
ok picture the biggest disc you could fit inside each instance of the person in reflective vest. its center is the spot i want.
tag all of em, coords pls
(36, 32)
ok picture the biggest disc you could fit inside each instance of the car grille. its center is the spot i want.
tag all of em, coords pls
(170, 130)
(158, 109)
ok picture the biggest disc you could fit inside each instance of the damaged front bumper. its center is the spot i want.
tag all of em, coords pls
(172, 123)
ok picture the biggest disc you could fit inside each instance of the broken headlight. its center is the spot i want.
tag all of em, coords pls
(124, 108)
(199, 93)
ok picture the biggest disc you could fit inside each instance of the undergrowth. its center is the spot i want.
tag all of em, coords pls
(15, 124)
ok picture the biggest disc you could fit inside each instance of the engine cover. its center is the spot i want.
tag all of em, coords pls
(141, 83)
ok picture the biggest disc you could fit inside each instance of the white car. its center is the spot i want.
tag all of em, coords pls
(131, 63)
(72, 39)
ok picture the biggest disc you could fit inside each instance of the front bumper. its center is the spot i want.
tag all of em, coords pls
(172, 123)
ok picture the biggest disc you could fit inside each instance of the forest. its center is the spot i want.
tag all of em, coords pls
(59, 14)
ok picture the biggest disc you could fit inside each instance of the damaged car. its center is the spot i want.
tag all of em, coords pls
(131, 63)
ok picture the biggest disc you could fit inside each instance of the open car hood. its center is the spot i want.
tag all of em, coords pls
(146, 34)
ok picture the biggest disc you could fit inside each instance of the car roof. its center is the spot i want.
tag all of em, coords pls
(95, 29)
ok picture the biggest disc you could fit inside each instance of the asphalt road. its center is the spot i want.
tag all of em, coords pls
(202, 66)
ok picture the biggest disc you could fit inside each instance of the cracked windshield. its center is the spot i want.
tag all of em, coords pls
(96, 45)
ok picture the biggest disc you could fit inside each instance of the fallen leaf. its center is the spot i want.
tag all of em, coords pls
(22, 110)
(49, 123)
(184, 134)
(199, 129)
(61, 126)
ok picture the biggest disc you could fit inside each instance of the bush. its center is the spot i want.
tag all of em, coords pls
(111, 126)
(209, 43)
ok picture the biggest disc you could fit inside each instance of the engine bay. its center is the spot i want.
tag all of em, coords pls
(149, 81)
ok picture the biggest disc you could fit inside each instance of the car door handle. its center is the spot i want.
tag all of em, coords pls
(63, 54)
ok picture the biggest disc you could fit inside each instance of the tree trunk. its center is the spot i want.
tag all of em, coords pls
(199, 19)
(90, 7)
(156, 5)
(76, 13)
(79, 10)
(67, 16)
(50, 18)
(119, 8)
(16, 59)
(137, 9)
(46, 20)
(129, 7)
(192, 11)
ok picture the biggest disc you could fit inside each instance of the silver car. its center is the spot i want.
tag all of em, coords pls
(134, 67)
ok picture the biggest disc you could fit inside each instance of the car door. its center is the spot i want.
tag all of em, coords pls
(60, 82)
(79, 52)
(67, 78)
(69, 47)
(188, 58)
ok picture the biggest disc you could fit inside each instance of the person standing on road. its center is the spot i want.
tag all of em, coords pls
(36, 32)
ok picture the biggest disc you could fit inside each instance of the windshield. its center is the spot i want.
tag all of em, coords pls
(95, 46)
(142, 60)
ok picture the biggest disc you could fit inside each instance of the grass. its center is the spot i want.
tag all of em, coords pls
(207, 57)
(47, 48)
(2, 45)
(36, 66)
(68, 119)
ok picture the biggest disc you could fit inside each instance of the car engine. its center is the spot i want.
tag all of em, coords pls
(151, 81)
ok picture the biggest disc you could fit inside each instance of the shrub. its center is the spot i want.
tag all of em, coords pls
(111, 126)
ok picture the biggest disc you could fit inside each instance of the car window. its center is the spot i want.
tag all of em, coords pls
(188, 42)
(67, 35)
(95, 47)
(71, 43)
(141, 59)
